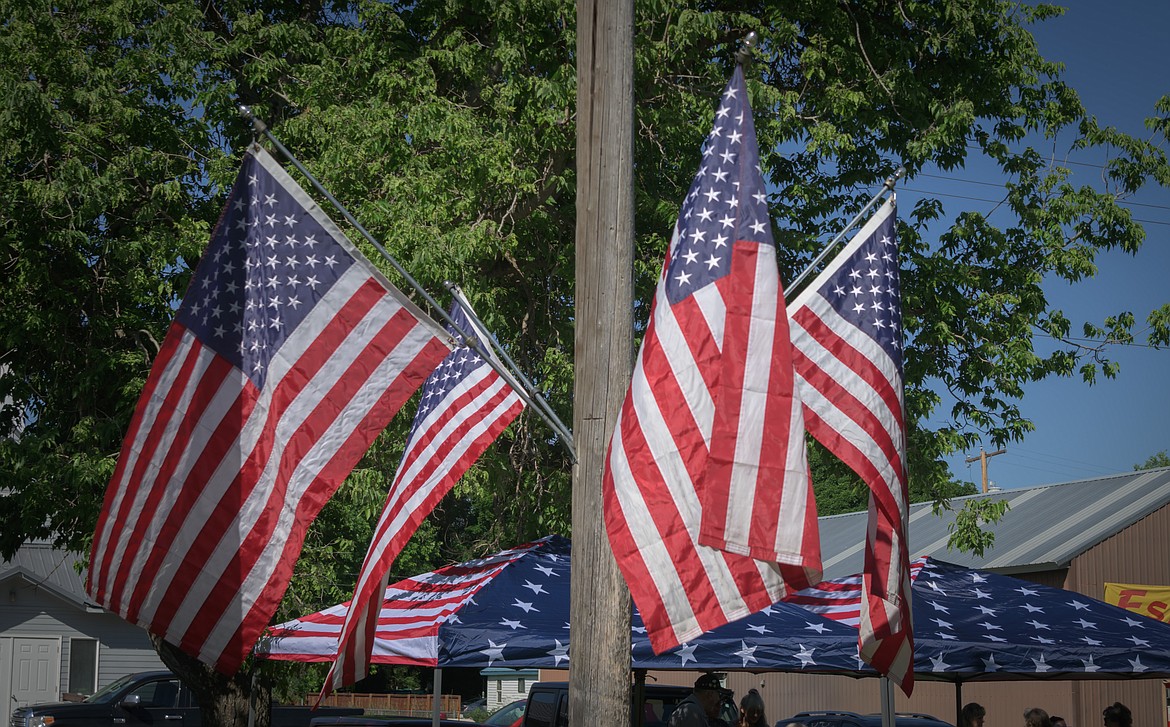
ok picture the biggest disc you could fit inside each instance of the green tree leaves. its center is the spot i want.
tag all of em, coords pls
(449, 130)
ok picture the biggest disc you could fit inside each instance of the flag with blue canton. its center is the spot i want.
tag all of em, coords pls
(465, 406)
(708, 505)
(972, 624)
(847, 341)
(287, 356)
(511, 609)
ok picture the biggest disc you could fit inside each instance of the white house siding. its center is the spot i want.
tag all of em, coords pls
(122, 647)
(507, 685)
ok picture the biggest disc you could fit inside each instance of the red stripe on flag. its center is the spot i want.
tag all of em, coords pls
(322, 487)
(329, 479)
(848, 356)
(223, 516)
(110, 522)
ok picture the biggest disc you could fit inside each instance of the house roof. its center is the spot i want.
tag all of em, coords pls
(1044, 528)
(40, 565)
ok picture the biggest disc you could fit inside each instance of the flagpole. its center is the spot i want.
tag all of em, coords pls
(259, 125)
(887, 187)
(520, 380)
(471, 341)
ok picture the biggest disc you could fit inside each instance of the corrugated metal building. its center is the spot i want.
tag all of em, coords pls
(1074, 535)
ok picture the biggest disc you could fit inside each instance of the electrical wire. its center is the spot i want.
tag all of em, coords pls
(1000, 201)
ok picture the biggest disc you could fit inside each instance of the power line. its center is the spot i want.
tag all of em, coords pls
(978, 148)
(960, 180)
(1058, 460)
(1000, 201)
(1076, 339)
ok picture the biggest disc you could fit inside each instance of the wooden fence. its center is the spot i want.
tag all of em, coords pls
(407, 705)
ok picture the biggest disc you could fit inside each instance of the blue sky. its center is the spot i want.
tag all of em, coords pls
(1115, 58)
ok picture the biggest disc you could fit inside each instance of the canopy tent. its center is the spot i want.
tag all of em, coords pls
(972, 625)
(512, 609)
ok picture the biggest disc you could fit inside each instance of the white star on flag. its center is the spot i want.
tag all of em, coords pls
(494, 651)
(528, 607)
(747, 653)
(806, 656)
(560, 652)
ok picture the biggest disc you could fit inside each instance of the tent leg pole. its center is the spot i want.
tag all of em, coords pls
(959, 703)
(438, 681)
(887, 702)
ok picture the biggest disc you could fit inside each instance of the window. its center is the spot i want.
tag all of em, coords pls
(542, 710)
(163, 693)
(83, 654)
(520, 685)
(499, 690)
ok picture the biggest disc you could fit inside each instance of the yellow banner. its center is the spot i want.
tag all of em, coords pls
(1150, 601)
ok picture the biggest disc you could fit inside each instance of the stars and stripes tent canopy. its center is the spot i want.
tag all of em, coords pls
(511, 609)
(972, 625)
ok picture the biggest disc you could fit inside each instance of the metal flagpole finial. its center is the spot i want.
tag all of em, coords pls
(893, 178)
(743, 56)
(257, 123)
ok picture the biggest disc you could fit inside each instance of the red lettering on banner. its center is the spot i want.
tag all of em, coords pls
(1124, 599)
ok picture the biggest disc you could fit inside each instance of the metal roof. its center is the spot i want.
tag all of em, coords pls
(1044, 528)
(42, 566)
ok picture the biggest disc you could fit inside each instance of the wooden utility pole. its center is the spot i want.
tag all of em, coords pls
(599, 681)
(983, 462)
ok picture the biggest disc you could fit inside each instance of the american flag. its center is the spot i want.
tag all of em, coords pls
(847, 337)
(287, 356)
(412, 611)
(709, 445)
(465, 406)
(512, 610)
(840, 598)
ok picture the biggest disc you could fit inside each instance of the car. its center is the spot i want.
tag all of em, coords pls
(472, 705)
(374, 721)
(150, 698)
(510, 715)
(852, 719)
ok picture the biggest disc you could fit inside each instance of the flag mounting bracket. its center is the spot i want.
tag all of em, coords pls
(888, 186)
(480, 348)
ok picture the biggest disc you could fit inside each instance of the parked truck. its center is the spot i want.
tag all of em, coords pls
(548, 705)
(148, 698)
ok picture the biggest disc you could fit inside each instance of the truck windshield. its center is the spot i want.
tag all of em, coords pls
(108, 692)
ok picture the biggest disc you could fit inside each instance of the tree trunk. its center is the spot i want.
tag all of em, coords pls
(223, 700)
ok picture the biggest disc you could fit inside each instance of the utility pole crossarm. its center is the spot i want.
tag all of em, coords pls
(982, 458)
